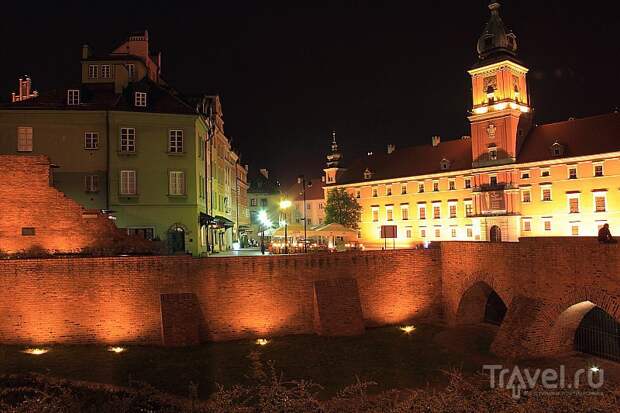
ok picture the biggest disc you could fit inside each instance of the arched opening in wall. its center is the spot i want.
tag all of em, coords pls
(598, 334)
(481, 304)
(495, 234)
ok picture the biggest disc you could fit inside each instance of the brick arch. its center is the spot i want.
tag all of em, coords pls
(557, 323)
(471, 307)
(472, 287)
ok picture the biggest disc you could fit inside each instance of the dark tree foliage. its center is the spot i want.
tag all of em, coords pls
(342, 208)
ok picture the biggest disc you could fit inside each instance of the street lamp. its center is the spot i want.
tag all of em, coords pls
(266, 222)
(284, 205)
(302, 181)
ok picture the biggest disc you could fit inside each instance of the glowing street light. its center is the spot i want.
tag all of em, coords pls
(116, 349)
(408, 329)
(35, 351)
(262, 341)
(284, 205)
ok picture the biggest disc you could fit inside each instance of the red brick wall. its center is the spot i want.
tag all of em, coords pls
(114, 300)
(28, 201)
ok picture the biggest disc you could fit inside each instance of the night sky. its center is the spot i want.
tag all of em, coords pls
(289, 73)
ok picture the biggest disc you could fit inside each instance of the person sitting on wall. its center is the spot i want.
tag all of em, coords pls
(604, 235)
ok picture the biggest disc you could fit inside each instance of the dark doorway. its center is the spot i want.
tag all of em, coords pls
(496, 234)
(599, 334)
(495, 309)
(176, 240)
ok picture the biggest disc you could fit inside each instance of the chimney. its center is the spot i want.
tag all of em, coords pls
(264, 172)
(435, 140)
(86, 51)
(391, 148)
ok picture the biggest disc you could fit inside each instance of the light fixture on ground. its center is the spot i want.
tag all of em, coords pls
(262, 341)
(35, 351)
(116, 349)
(407, 329)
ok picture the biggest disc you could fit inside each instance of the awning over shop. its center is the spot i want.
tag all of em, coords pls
(205, 219)
(336, 230)
(223, 222)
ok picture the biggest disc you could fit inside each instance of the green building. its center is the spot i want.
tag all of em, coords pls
(124, 141)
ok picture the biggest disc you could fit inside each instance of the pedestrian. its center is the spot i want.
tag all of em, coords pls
(262, 247)
(604, 235)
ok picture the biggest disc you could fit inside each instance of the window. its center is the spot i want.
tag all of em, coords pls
(444, 164)
(175, 141)
(526, 196)
(453, 232)
(525, 175)
(467, 183)
(128, 182)
(573, 204)
(404, 212)
(375, 193)
(408, 232)
(452, 185)
(599, 202)
(527, 225)
(92, 183)
(492, 154)
(263, 202)
(201, 187)
(493, 180)
(73, 97)
(469, 209)
(176, 183)
(421, 212)
(321, 205)
(367, 174)
(544, 172)
(146, 233)
(574, 230)
(572, 172)
(547, 224)
(24, 139)
(131, 70)
(105, 71)
(436, 211)
(358, 193)
(420, 188)
(557, 150)
(435, 186)
(437, 232)
(388, 190)
(598, 170)
(28, 231)
(91, 140)
(403, 189)
(253, 202)
(93, 71)
(140, 99)
(309, 206)
(422, 232)
(452, 208)
(389, 213)
(128, 140)
(375, 214)
(470, 232)
(546, 193)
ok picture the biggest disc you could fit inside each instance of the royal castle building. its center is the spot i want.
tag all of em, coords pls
(508, 179)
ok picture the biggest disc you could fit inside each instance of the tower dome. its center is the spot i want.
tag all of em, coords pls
(496, 39)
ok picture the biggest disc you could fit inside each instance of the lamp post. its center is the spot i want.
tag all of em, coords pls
(284, 205)
(302, 181)
(265, 221)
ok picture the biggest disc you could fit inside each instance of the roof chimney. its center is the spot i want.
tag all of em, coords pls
(435, 140)
(86, 51)
(264, 172)
(391, 148)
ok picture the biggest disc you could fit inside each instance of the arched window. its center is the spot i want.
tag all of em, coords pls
(495, 235)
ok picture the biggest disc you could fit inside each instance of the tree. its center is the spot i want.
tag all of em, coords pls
(342, 208)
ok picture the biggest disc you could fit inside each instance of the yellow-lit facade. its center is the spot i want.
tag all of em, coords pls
(500, 195)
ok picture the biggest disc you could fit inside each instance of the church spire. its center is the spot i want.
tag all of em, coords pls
(333, 159)
(496, 39)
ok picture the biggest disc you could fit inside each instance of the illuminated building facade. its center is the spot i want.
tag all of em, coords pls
(508, 179)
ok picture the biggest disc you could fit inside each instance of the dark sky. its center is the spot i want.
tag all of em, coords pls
(378, 72)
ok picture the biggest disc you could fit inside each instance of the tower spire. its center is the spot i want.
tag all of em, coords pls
(333, 159)
(496, 39)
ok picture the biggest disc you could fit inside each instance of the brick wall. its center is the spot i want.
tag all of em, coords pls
(34, 214)
(114, 300)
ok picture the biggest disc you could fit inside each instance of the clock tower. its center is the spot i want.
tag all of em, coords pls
(501, 113)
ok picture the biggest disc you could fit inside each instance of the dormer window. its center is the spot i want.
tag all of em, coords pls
(557, 149)
(367, 174)
(73, 97)
(444, 164)
(493, 153)
(140, 99)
